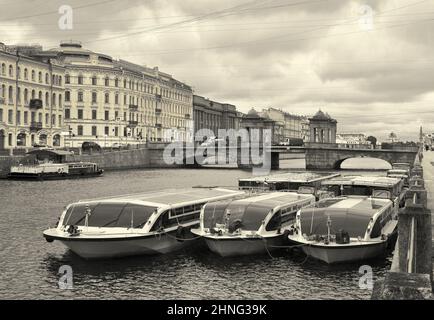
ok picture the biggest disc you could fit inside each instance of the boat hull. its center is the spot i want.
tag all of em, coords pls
(341, 254)
(128, 246)
(243, 247)
(52, 176)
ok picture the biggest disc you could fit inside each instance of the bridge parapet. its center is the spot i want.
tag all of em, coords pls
(410, 276)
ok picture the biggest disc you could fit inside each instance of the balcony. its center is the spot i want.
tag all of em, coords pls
(158, 111)
(133, 107)
(35, 126)
(35, 104)
(132, 123)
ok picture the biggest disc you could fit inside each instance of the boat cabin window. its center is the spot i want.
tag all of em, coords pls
(244, 216)
(275, 222)
(109, 215)
(381, 221)
(314, 222)
(383, 194)
(176, 216)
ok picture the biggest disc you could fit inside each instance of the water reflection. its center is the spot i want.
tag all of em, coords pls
(30, 265)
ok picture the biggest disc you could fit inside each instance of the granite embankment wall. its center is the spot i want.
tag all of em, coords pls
(6, 162)
(151, 157)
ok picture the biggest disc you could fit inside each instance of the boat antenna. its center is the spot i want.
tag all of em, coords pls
(311, 219)
(329, 223)
(87, 215)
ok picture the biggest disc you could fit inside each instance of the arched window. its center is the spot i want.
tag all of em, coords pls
(3, 69)
(94, 81)
(80, 79)
(67, 79)
(18, 95)
(11, 71)
(21, 140)
(33, 75)
(47, 99)
(107, 81)
(26, 96)
(54, 100)
(60, 100)
(40, 95)
(26, 74)
(33, 94)
(60, 80)
(107, 97)
(40, 77)
(19, 73)
(11, 94)
(47, 78)
(56, 140)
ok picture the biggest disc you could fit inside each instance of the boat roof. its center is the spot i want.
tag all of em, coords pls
(50, 152)
(272, 200)
(301, 177)
(364, 206)
(376, 181)
(171, 197)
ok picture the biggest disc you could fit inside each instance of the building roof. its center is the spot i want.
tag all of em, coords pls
(321, 116)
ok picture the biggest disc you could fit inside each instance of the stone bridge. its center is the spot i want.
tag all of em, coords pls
(330, 156)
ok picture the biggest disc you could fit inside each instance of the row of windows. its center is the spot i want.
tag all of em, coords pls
(9, 96)
(169, 121)
(132, 85)
(56, 79)
(23, 118)
(21, 139)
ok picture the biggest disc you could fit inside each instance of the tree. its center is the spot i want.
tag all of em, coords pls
(393, 136)
(372, 140)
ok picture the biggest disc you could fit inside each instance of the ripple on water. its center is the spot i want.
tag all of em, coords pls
(29, 265)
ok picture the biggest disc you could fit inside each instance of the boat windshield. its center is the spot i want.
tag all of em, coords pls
(109, 215)
(244, 216)
(314, 220)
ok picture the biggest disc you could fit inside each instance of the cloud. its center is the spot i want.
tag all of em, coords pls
(291, 54)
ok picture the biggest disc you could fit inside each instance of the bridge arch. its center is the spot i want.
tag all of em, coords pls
(371, 162)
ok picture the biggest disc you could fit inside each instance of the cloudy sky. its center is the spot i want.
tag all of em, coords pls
(368, 63)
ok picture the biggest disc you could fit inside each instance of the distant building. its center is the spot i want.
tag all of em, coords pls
(288, 125)
(253, 120)
(351, 138)
(322, 128)
(213, 115)
(31, 98)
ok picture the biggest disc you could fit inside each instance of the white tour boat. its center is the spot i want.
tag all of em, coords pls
(375, 186)
(250, 225)
(344, 229)
(149, 223)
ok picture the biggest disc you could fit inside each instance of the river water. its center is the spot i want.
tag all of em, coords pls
(29, 265)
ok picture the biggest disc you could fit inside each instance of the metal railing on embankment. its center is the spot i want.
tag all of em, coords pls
(410, 276)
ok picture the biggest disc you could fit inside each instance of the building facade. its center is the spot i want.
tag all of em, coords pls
(322, 128)
(288, 126)
(31, 98)
(214, 115)
(253, 120)
(112, 101)
(351, 138)
(68, 95)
